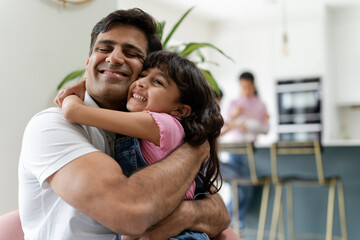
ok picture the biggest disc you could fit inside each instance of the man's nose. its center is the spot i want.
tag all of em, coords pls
(116, 57)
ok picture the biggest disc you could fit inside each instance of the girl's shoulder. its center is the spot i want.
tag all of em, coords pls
(171, 131)
(165, 120)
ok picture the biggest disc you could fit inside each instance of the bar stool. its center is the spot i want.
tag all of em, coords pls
(247, 149)
(313, 148)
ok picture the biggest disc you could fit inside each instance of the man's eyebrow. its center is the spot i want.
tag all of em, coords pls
(111, 42)
(125, 45)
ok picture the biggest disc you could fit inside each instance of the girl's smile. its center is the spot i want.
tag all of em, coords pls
(153, 91)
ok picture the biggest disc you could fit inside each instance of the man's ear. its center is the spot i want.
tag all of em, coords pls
(181, 111)
(87, 64)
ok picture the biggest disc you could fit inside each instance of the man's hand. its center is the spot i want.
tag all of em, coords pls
(171, 226)
(208, 215)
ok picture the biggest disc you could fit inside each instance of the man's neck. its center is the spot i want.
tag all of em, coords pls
(119, 106)
(112, 105)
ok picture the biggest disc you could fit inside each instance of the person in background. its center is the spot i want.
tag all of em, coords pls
(69, 185)
(246, 118)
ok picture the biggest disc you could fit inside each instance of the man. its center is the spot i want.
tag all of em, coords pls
(70, 188)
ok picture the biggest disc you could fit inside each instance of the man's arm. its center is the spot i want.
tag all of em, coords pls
(208, 215)
(95, 185)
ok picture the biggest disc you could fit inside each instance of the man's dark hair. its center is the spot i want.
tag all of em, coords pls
(133, 17)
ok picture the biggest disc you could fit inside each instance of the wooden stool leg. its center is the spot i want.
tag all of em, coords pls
(263, 210)
(276, 211)
(235, 206)
(281, 232)
(342, 209)
(290, 211)
(330, 210)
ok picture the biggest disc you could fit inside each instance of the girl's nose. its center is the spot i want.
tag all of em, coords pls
(141, 83)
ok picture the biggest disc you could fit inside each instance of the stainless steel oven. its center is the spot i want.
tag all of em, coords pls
(299, 109)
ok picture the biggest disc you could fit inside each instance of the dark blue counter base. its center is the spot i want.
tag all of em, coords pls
(310, 202)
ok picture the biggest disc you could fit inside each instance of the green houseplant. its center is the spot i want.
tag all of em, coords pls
(192, 49)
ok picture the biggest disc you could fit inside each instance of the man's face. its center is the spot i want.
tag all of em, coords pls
(115, 62)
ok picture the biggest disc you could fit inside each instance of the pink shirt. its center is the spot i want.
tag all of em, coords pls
(254, 116)
(171, 136)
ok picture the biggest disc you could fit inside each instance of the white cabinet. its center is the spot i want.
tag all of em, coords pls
(343, 72)
(344, 53)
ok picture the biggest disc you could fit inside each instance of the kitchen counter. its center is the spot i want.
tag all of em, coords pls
(342, 142)
(325, 143)
(340, 158)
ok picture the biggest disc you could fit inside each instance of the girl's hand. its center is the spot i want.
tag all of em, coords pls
(71, 106)
(78, 89)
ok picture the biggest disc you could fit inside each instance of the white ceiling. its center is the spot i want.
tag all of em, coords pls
(238, 9)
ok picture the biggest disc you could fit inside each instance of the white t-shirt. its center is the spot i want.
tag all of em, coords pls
(49, 143)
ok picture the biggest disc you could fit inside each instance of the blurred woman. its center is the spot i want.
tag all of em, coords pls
(247, 117)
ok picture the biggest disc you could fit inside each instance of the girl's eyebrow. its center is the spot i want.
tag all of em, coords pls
(161, 74)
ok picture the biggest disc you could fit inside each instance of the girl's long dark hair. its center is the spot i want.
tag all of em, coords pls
(205, 121)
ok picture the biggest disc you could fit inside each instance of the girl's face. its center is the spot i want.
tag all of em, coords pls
(154, 91)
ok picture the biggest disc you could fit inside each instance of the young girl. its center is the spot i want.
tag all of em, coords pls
(170, 103)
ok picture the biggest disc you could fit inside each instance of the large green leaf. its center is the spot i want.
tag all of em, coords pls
(200, 55)
(210, 79)
(191, 47)
(175, 27)
(71, 76)
(160, 29)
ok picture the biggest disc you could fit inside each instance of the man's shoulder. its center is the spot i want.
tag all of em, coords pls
(48, 119)
(52, 111)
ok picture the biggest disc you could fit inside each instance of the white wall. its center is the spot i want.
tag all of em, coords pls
(256, 45)
(343, 51)
(193, 28)
(40, 43)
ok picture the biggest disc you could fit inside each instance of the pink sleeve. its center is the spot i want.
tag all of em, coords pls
(171, 136)
(171, 131)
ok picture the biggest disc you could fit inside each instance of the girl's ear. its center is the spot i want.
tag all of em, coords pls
(181, 111)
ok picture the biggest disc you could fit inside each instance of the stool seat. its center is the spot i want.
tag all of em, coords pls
(305, 180)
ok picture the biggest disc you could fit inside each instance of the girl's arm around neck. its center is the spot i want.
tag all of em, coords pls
(135, 124)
